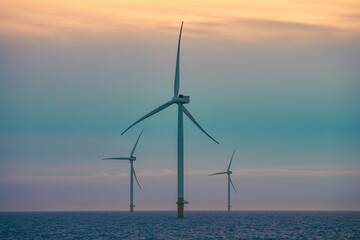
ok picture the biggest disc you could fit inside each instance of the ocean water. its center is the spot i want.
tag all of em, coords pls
(195, 225)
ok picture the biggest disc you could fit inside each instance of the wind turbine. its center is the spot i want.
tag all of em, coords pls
(178, 99)
(228, 172)
(131, 159)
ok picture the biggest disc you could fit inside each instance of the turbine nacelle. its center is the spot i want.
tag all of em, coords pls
(132, 158)
(181, 99)
(229, 172)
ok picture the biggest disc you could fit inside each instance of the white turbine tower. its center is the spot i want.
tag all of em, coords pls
(228, 172)
(131, 159)
(178, 99)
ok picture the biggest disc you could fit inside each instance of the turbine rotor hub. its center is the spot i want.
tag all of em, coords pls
(132, 158)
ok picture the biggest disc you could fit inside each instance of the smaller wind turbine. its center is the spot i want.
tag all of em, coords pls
(228, 172)
(131, 158)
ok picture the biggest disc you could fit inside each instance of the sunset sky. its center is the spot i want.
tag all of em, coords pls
(279, 81)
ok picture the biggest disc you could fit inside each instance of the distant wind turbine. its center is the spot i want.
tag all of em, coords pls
(178, 99)
(228, 172)
(131, 158)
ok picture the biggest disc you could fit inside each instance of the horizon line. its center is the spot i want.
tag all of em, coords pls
(172, 210)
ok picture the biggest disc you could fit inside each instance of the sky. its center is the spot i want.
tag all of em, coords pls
(278, 81)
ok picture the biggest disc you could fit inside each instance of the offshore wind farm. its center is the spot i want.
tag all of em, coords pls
(276, 80)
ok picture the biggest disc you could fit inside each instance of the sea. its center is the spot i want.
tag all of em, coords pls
(195, 225)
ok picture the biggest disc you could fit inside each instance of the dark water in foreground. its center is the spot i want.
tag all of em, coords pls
(165, 225)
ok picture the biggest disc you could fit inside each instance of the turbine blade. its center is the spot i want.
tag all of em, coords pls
(196, 123)
(231, 160)
(137, 179)
(177, 73)
(117, 158)
(217, 173)
(232, 184)
(165, 105)
(133, 151)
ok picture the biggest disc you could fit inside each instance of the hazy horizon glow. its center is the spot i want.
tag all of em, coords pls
(279, 81)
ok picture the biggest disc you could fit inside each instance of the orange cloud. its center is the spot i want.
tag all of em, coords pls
(244, 20)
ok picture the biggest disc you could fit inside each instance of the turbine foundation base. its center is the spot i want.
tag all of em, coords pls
(180, 207)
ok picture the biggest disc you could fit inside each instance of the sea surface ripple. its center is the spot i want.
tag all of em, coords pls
(195, 225)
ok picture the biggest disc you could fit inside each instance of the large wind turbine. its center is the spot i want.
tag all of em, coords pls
(131, 159)
(178, 99)
(228, 172)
